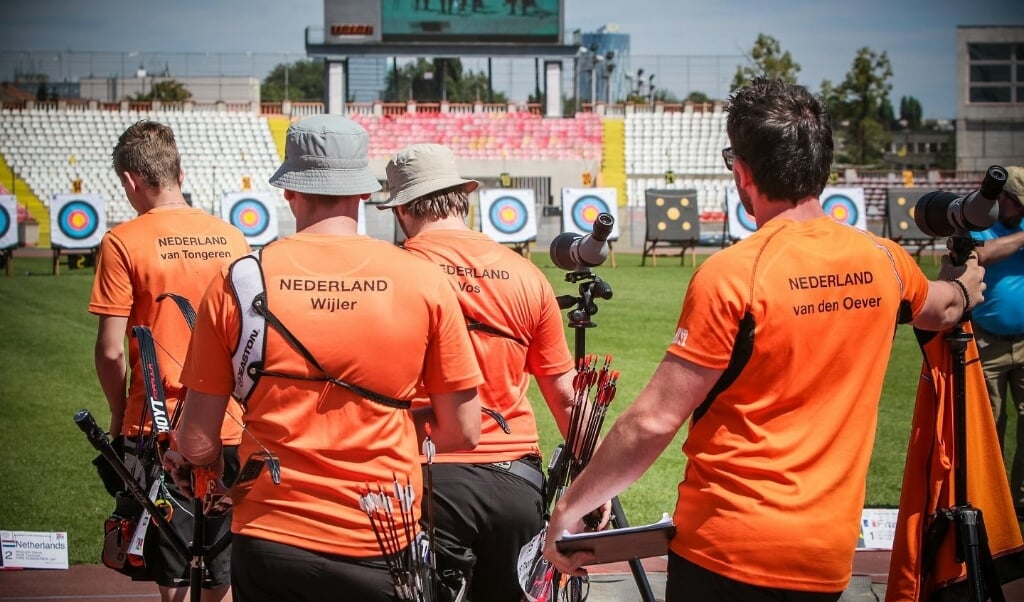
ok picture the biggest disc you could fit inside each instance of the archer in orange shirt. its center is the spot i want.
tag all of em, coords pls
(778, 360)
(488, 501)
(357, 327)
(169, 248)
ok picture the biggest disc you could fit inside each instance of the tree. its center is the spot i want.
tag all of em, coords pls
(301, 80)
(910, 113)
(698, 98)
(857, 103)
(422, 80)
(168, 90)
(766, 59)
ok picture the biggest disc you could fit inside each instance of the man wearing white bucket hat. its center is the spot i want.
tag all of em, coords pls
(352, 328)
(488, 502)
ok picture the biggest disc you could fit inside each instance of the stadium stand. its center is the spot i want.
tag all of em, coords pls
(45, 147)
(50, 149)
(487, 136)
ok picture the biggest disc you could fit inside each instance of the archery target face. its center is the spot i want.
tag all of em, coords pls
(672, 215)
(581, 206)
(77, 221)
(900, 206)
(741, 224)
(508, 215)
(8, 222)
(845, 205)
(254, 214)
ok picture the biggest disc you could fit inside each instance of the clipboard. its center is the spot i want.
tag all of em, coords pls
(620, 545)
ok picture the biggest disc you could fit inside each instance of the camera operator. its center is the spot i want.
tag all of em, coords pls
(779, 356)
(999, 321)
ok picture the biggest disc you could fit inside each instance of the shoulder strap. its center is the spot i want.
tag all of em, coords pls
(472, 325)
(246, 277)
(250, 289)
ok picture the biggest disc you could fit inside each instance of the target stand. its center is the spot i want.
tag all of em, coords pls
(672, 222)
(77, 225)
(82, 258)
(509, 216)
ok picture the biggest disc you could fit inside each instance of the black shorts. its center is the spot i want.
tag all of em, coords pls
(165, 564)
(267, 571)
(688, 581)
(483, 516)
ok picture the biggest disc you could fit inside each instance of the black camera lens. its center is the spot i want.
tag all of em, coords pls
(931, 211)
(942, 213)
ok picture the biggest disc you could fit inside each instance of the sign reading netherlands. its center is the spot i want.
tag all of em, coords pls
(581, 206)
(508, 215)
(34, 550)
(77, 221)
(8, 221)
(254, 213)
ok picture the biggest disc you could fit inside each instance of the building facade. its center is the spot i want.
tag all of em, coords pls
(990, 96)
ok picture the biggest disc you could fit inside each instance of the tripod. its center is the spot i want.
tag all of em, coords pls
(591, 288)
(971, 539)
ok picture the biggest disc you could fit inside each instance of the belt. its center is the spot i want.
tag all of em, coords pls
(523, 469)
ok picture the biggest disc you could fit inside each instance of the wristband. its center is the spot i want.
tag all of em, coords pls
(963, 289)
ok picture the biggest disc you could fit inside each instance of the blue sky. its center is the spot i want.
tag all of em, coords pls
(823, 37)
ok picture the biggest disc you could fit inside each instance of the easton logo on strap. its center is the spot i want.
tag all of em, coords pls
(247, 283)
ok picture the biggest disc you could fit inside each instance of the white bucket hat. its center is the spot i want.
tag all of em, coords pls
(420, 169)
(326, 154)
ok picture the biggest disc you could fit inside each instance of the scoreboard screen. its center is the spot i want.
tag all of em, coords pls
(443, 21)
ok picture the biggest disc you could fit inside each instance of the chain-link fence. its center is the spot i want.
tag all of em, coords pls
(674, 76)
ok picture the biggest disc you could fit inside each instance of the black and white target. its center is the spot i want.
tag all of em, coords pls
(77, 221)
(581, 206)
(508, 215)
(845, 205)
(8, 221)
(254, 213)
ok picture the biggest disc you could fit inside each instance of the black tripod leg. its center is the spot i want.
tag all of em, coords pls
(990, 588)
(639, 575)
(967, 534)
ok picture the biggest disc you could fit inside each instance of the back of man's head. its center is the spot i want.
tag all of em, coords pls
(326, 155)
(148, 149)
(425, 180)
(784, 134)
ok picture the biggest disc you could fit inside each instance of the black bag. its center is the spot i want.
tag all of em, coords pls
(118, 531)
(454, 571)
(111, 480)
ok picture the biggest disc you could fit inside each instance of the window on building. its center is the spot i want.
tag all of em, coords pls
(996, 73)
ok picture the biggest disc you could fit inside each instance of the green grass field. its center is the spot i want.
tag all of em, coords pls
(47, 482)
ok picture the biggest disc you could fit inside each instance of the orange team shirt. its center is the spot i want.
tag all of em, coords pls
(165, 250)
(372, 315)
(775, 475)
(500, 288)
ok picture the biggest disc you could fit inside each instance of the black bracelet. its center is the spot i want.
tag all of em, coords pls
(963, 289)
